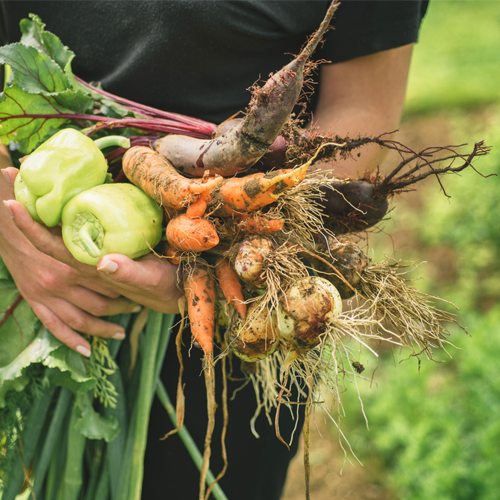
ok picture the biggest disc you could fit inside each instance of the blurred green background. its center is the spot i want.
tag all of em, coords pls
(437, 435)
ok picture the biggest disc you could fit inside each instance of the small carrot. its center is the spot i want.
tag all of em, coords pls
(189, 234)
(199, 288)
(258, 224)
(246, 194)
(230, 285)
(156, 176)
(198, 208)
(172, 254)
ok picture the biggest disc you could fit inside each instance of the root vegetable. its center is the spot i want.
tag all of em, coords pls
(258, 224)
(305, 311)
(191, 234)
(255, 338)
(230, 285)
(199, 288)
(159, 180)
(241, 146)
(350, 261)
(250, 259)
(246, 194)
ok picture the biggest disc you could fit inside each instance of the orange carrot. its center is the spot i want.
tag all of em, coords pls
(246, 194)
(156, 176)
(230, 285)
(199, 288)
(187, 234)
(171, 254)
(258, 224)
(197, 209)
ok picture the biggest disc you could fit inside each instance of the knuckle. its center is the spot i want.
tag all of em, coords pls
(100, 308)
(50, 281)
(78, 323)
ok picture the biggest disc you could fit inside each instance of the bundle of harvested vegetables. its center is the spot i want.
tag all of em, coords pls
(247, 245)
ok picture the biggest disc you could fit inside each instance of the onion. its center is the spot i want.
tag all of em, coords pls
(306, 310)
(256, 337)
(250, 260)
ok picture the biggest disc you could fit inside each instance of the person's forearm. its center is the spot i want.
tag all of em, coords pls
(363, 97)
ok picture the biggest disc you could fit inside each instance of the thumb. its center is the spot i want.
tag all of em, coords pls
(142, 273)
(10, 174)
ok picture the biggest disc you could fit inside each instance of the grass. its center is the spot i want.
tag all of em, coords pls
(455, 63)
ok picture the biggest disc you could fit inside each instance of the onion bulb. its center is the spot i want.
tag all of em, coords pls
(249, 262)
(306, 310)
(256, 337)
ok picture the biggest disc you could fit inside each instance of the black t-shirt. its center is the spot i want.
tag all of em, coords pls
(199, 57)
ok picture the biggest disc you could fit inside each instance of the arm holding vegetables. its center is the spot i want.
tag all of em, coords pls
(66, 295)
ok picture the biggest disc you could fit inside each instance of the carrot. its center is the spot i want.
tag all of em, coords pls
(241, 146)
(230, 285)
(171, 254)
(189, 234)
(197, 209)
(246, 194)
(258, 224)
(160, 181)
(199, 288)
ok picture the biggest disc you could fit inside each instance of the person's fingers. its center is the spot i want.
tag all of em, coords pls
(79, 321)
(10, 174)
(60, 330)
(39, 235)
(97, 305)
(151, 281)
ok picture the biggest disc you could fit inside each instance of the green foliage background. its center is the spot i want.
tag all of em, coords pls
(437, 434)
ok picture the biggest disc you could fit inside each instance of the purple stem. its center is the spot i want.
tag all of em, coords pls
(207, 127)
(154, 124)
(11, 309)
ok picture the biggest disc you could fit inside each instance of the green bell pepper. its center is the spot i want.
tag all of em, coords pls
(63, 166)
(111, 218)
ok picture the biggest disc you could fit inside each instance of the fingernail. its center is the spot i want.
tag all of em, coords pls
(109, 267)
(7, 178)
(7, 206)
(83, 351)
(118, 336)
(137, 309)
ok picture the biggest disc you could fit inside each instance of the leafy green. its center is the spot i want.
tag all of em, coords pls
(34, 35)
(18, 331)
(34, 72)
(72, 371)
(30, 131)
(93, 425)
(36, 352)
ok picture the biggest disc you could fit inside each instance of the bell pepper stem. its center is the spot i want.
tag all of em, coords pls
(112, 140)
(87, 231)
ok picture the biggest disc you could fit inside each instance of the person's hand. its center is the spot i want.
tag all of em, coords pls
(69, 296)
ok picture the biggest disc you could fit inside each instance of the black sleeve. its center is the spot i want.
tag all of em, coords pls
(365, 27)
